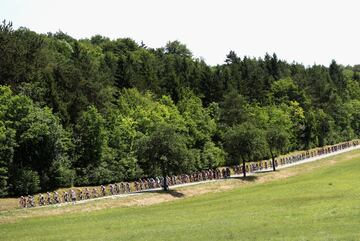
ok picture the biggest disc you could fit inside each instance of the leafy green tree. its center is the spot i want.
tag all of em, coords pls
(92, 147)
(45, 146)
(297, 115)
(309, 138)
(21, 58)
(35, 145)
(354, 107)
(149, 112)
(353, 88)
(319, 85)
(337, 109)
(356, 76)
(177, 48)
(232, 73)
(285, 90)
(213, 87)
(124, 72)
(197, 119)
(7, 144)
(212, 156)
(278, 132)
(164, 152)
(234, 109)
(325, 128)
(254, 84)
(232, 58)
(272, 67)
(337, 76)
(27, 181)
(123, 134)
(245, 142)
(137, 116)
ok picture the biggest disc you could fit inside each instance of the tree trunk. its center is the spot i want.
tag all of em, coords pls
(166, 187)
(273, 160)
(165, 184)
(243, 168)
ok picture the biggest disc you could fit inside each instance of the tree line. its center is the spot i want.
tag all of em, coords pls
(95, 111)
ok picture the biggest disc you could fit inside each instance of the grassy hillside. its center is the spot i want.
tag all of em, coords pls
(322, 204)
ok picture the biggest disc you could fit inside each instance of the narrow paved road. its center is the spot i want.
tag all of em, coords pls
(315, 158)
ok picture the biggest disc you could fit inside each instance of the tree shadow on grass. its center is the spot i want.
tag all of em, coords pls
(172, 192)
(247, 178)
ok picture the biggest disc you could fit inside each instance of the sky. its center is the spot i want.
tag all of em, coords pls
(305, 31)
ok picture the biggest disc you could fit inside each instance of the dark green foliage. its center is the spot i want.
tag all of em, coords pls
(198, 121)
(34, 146)
(177, 48)
(285, 90)
(278, 132)
(337, 76)
(24, 181)
(74, 111)
(91, 138)
(164, 152)
(91, 147)
(212, 156)
(245, 142)
(7, 144)
(325, 125)
(234, 109)
(20, 55)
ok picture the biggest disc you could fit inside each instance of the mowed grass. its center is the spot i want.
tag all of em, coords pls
(323, 204)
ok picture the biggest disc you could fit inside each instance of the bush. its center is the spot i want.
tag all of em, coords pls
(26, 182)
(212, 156)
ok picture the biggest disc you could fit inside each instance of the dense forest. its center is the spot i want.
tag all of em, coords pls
(95, 111)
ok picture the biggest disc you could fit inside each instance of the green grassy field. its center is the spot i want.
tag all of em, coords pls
(323, 204)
